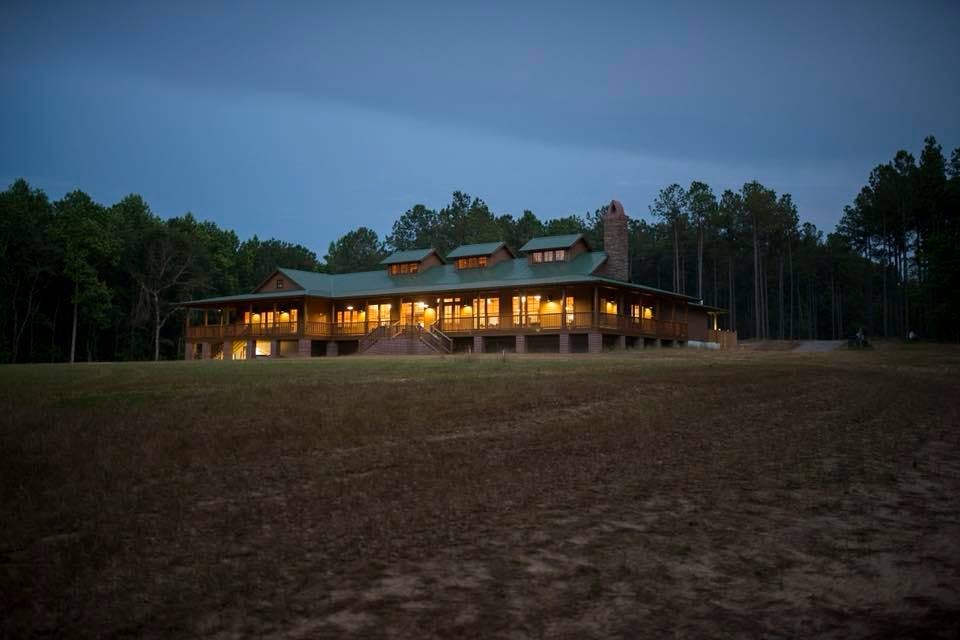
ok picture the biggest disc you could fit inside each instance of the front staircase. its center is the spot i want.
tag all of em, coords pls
(396, 339)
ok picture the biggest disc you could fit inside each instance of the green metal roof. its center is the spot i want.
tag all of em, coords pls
(413, 255)
(552, 242)
(709, 307)
(517, 272)
(469, 250)
(645, 288)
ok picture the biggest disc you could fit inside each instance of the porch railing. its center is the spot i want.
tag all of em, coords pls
(726, 338)
(506, 323)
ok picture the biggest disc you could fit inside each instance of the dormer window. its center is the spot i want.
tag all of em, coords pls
(553, 255)
(279, 283)
(404, 268)
(473, 262)
(555, 248)
(411, 261)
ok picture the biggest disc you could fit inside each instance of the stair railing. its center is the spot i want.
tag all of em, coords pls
(371, 338)
(438, 339)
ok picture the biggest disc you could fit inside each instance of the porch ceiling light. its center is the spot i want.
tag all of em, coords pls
(349, 307)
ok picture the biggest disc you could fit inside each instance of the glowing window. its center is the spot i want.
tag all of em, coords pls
(404, 268)
(472, 262)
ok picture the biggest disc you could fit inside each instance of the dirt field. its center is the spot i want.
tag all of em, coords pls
(666, 493)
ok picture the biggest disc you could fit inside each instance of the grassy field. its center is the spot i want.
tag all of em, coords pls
(665, 493)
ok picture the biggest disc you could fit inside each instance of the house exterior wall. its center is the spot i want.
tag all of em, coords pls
(578, 247)
(270, 284)
(692, 322)
(498, 256)
(431, 260)
(697, 324)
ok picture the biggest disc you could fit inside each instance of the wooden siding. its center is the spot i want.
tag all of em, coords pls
(431, 260)
(270, 284)
(498, 256)
(697, 324)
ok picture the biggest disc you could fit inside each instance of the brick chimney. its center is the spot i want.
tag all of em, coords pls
(615, 241)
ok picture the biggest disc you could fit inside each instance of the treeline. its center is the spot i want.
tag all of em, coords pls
(83, 281)
(891, 266)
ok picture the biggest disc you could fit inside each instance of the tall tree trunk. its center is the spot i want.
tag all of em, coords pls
(700, 262)
(156, 330)
(676, 257)
(833, 310)
(731, 293)
(840, 331)
(793, 284)
(781, 326)
(883, 308)
(53, 330)
(73, 332)
(716, 284)
(756, 285)
(871, 307)
(764, 333)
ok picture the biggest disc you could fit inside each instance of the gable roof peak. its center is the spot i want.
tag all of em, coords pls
(554, 242)
(411, 255)
(479, 249)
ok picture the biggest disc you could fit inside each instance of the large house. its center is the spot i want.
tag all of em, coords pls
(556, 295)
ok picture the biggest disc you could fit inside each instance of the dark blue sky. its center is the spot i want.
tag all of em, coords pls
(304, 120)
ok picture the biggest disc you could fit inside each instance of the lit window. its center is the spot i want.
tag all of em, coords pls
(471, 263)
(538, 256)
(559, 255)
(403, 268)
(279, 283)
(548, 256)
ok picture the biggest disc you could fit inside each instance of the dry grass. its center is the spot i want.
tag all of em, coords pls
(646, 494)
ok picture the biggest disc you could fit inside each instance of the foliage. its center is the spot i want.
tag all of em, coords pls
(104, 283)
(359, 250)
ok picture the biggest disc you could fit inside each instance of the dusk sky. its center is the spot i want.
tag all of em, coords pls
(303, 120)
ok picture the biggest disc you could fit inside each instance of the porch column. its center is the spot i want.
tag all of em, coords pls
(251, 349)
(621, 343)
(332, 349)
(478, 344)
(228, 349)
(303, 348)
(521, 344)
(595, 342)
(274, 347)
(596, 305)
(563, 313)
(205, 350)
(564, 343)
(189, 350)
